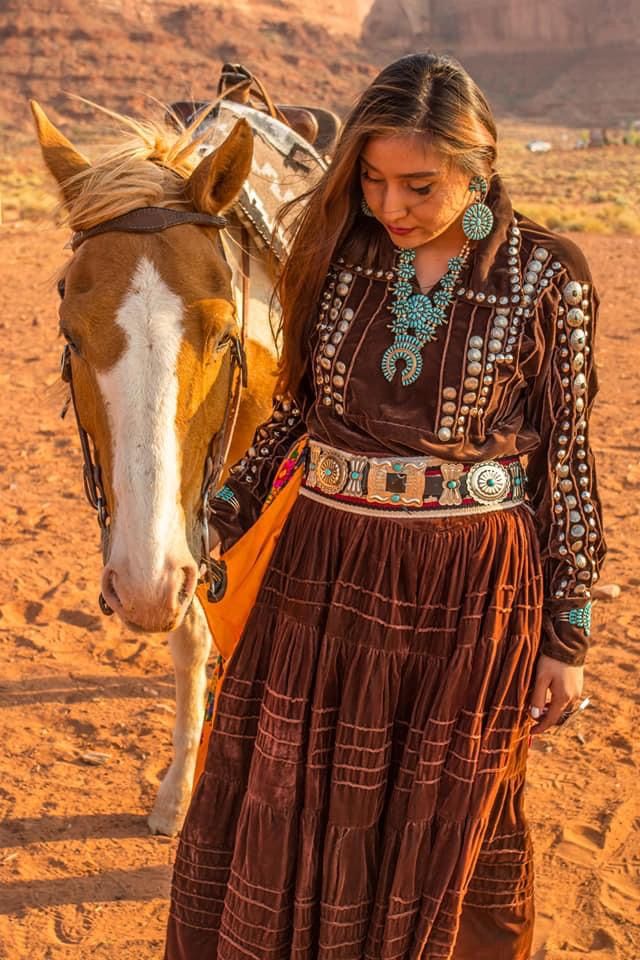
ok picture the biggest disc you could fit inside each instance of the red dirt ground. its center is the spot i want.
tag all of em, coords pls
(81, 877)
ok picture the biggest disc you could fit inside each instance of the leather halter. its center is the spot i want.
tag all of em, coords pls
(148, 220)
(154, 220)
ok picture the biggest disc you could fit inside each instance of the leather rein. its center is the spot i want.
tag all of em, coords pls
(154, 220)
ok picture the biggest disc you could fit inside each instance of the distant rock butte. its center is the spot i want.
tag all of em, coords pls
(556, 60)
(500, 26)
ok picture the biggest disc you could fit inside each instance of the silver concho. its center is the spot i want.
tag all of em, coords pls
(330, 473)
(579, 384)
(575, 317)
(488, 482)
(578, 339)
(573, 293)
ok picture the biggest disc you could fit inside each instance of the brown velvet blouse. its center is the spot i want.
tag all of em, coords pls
(511, 372)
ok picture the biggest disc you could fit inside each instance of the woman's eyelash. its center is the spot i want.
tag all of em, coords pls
(423, 191)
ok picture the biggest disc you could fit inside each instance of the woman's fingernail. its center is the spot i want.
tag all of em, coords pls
(535, 712)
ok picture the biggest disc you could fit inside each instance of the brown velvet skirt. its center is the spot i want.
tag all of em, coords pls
(363, 791)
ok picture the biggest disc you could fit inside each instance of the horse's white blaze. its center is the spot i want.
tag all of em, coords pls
(140, 393)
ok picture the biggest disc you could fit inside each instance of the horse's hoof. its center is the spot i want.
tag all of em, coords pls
(164, 824)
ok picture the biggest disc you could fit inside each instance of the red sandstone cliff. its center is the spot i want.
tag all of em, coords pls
(561, 60)
(501, 26)
(576, 61)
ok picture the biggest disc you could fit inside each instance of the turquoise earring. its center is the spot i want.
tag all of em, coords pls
(477, 222)
(366, 209)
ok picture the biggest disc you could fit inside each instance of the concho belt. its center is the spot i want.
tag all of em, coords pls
(408, 485)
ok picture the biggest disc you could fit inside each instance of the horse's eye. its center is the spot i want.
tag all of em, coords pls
(224, 342)
(61, 287)
(72, 343)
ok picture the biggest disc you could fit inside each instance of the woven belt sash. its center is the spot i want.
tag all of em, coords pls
(411, 484)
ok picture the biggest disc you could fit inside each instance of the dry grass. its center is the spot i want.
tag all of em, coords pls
(594, 190)
(25, 190)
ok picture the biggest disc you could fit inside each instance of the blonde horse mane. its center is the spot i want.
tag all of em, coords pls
(146, 166)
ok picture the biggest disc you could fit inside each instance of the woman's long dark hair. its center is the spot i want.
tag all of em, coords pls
(421, 93)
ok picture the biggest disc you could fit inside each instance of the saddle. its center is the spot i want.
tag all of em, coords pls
(292, 147)
(318, 126)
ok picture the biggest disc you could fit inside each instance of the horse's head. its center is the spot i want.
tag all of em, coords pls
(150, 322)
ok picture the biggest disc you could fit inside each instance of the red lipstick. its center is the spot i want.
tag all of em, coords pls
(399, 231)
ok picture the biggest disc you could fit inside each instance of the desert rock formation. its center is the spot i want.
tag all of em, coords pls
(489, 26)
(558, 60)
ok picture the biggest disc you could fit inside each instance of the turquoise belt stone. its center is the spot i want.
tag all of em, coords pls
(410, 484)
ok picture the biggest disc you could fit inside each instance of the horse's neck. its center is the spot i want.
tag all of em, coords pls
(260, 346)
(255, 313)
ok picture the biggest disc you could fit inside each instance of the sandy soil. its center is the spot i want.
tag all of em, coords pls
(80, 875)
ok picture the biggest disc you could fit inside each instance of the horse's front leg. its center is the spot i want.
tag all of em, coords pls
(190, 645)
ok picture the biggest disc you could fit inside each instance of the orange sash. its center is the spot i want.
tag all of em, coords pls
(246, 562)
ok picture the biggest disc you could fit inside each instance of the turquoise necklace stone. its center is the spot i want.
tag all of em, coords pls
(417, 316)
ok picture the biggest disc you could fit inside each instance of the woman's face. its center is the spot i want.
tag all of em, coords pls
(412, 189)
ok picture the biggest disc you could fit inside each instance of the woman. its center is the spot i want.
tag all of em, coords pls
(421, 615)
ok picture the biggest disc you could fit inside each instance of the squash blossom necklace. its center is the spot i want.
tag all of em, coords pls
(417, 316)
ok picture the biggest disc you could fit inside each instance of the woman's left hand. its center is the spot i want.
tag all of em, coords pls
(563, 682)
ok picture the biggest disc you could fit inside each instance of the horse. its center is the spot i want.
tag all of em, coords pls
(156, 359)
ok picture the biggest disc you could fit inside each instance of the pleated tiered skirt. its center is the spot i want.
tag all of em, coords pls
(363, 792)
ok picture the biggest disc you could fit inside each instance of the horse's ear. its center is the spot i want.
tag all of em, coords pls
(216, 181)
(60, 156)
